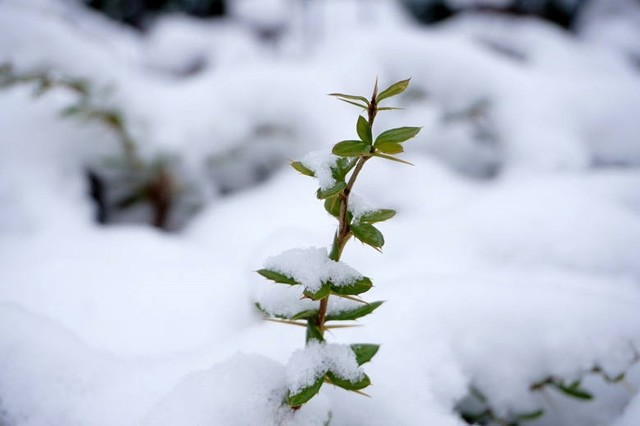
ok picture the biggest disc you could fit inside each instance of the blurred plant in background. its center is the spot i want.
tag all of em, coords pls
(137, 12)
(128, 188)
(561, 12)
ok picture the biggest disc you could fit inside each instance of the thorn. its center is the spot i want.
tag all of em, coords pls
(355, 299)
(329, 327)
(361, 393)
(282, 321)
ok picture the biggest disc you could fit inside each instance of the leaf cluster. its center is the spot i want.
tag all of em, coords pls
(485, 415)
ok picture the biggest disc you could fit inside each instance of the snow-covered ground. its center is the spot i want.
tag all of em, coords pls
(514, 257)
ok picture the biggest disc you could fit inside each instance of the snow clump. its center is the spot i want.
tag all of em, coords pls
(321, 164)
(307, 365)
(312, 267)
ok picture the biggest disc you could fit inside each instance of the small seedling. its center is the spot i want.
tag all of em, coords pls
(329, 289)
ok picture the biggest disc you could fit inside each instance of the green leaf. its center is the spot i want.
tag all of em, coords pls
(305, 394)
(302, 169)
(353, 103)
(393, 90)
(530, 416)
(332, 205)
(354, 314)
(304, 314)
(352, 97)
(313, 331)
(364, 130)
(322, 292)
(364, 352)
(573, 391)
(390, 109)
(347, 384)
(388, 157)
(397, 135)
(351, 148)
(343, 166)
(368, 234)
(277, 277)
(390, 148)
(339, 186)
(377, 216)
(357, 287)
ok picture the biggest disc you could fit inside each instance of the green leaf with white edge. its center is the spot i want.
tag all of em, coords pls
(354, 314)
(347, 384)
(364, 352)
(573, 391)
(351, 148)
(305, 394)
(390, 109)
(352, 97)
(390, 148)
(321, 293)
(393, 90)
(326, 193)
(368, 234)
(277, 277)
(332, 205)
(302, 169)
(362, 285)
(397, 135)
(364, 130)
(377, 216)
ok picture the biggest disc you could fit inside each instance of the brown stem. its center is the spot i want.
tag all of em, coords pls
(344, 231)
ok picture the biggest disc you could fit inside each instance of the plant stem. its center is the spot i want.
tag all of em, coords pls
(344, 231)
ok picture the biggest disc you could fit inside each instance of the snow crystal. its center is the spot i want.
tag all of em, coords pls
(320, 163)
(307, 365)
(312, 267)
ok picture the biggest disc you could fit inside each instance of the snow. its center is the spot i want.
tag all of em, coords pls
(307, 365)
(312, 268)
(359, 206)
(321, 163)
(513, 257)
(213, 397)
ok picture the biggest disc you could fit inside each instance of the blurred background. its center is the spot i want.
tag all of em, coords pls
(499, 84)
